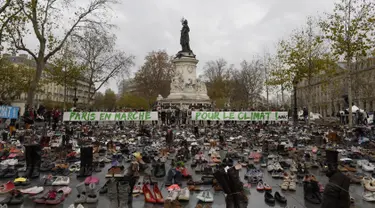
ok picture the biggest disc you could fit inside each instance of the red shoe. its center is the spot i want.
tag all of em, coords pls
(6, 188)
(149, 198)
(158, 196)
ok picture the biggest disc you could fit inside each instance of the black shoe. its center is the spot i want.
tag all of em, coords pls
(269, 198)
(280, 198)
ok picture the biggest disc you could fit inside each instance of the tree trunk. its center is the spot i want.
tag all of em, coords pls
(295, 113)
(309, 99)
(34, 83)
(350, 98)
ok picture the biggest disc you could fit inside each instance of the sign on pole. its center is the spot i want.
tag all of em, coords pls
(240, 116)
(111, 116)
(9, 112)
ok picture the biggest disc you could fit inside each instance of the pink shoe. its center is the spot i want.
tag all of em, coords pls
(91, 179)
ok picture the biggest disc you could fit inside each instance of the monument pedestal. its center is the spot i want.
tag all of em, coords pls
(186, 89)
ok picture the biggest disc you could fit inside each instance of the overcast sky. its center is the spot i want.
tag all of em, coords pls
(231, 29)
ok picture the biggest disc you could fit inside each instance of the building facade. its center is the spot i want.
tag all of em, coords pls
(52, 91)
(329, 95)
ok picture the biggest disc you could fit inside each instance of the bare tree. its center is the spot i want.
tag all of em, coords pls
(95, 49)
(217, 74)
(46, 19)
(247, 83)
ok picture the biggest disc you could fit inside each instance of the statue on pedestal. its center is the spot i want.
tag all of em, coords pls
(185, 40)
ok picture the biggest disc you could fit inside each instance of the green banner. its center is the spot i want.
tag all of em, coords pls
(240, 116)
(111, 116)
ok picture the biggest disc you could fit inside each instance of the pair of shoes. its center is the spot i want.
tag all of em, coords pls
(288, 185)
(269, 198)
(205, 196)
(52, 197)
(157, 197)
(263, 186)
(178, 194)
(173, 177)
(86, 195)
(15, 198)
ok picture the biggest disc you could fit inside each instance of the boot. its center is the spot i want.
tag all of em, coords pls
(237, 186)
(178, 178)
(29, 162)
(170, 176)
(160, 170)
(81, 197)
(112, 193)
(123, 193)
(89, 161)
(37, 160)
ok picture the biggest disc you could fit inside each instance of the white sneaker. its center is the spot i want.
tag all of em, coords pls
(80, 206)
(184, 194)
(368, 196)
(172, 195)
(205, 196)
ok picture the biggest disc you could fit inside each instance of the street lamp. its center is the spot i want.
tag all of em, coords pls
(75, 99)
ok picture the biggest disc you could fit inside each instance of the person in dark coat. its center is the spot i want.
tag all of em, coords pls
(169, 137)
(336, 192)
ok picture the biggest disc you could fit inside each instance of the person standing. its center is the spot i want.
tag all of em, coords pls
(56, 117)
(305, 114)
(163, 116)
(169, 115)
(177, 115)
(29, 118)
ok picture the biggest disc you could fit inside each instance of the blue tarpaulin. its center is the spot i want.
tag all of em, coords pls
(9, 112)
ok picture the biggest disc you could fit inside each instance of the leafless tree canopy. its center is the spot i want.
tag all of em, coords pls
(95, 49)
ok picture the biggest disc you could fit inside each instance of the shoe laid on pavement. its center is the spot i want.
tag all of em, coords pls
(280, 198)
(205, 196)
(269, 198)
(184, 194)
(7, 187)
(33, 190)
(61, 181)
(369, 196)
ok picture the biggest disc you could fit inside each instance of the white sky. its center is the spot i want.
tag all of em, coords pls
(231, 29)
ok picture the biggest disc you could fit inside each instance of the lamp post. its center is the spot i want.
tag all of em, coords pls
(75, 99)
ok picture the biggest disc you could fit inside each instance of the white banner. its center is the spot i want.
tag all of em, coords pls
(111, 116)
(240, 116)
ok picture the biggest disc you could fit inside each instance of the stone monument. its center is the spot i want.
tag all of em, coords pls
(186, 89)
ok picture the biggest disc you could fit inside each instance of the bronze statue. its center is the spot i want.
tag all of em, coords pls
(184, 40)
